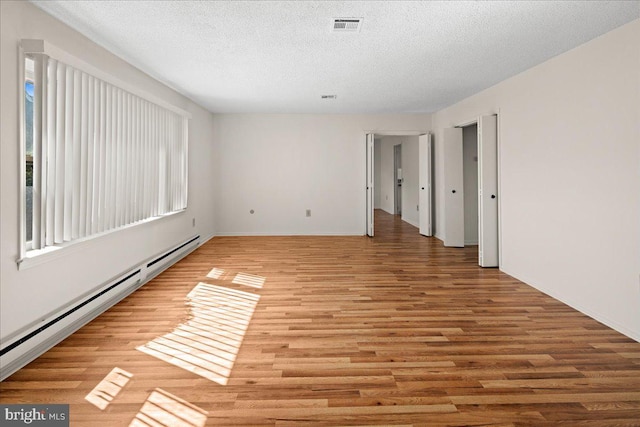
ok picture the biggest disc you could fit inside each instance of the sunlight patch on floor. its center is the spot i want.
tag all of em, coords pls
(164, 409)
(207, 343)
(107, 389)
(215, 273)
(249, 280)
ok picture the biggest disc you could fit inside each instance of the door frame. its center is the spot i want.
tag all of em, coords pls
(385, 132)
(475, 120)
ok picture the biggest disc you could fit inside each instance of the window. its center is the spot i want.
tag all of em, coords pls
(98, 157)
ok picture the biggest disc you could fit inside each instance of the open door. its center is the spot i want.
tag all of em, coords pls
(488, 191)
(453, 188)
(424, 181)
(370, 178)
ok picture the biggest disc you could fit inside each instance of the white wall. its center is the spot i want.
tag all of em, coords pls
(470, 178)
(410, 182)
(26, 296)
(279, 165)
(569, 155)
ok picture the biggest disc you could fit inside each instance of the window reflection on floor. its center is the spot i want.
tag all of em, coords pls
(107, 389)
(207, 344)
(215, 273)
(164, 409)
(249, 280)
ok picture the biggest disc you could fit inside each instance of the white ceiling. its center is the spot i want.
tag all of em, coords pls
(281, 56)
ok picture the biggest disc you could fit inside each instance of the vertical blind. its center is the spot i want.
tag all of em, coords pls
(103, 158)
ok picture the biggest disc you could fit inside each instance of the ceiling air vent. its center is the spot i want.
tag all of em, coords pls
(328, 96)
(350, 25)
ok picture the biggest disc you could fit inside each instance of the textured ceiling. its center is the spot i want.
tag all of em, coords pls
(281, 56)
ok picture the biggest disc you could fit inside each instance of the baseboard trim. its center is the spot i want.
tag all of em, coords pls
(33, 341)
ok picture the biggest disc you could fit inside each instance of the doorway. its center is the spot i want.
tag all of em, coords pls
(457, 219)
(398, 179)
(470, 183)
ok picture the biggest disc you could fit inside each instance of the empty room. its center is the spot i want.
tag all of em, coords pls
(323, 213)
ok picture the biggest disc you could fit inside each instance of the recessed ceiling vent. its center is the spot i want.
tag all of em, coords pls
(328, 96)
(347, 25)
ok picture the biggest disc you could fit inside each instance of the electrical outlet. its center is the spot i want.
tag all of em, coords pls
(308, 212)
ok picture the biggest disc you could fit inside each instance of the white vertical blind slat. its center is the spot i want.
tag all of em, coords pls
(77, 168)
(145, 162)
(154, 161)
(84, 137)
(128, 162)
(100, 160)
(39, 121)
(68, 154)
(108, 150)
(90, 143)
(50, 164)
(119, 161)
(96, 160)
(135, 202)
(59, 148)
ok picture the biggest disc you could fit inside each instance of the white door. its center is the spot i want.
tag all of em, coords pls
(488, 191)
(453, 188)
(424, 181)
(370, 178)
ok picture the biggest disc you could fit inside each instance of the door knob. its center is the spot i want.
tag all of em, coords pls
(423, 188)
(453, 191)
(493, 196)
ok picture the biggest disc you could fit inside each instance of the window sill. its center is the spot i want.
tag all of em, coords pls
(35, 257)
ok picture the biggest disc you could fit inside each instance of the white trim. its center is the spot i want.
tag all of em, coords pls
(398, 132)
(600, 317)
(498, 138)
(205, 239)
(36, 46)
(22, 223)
(467, 123)
(284, 234)
(475, 119)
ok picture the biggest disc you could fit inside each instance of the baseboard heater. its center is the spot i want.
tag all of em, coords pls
(34, 341)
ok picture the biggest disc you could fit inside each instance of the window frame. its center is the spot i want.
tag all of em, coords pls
(29, 257)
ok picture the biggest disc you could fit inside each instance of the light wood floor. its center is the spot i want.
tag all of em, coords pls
(336, 331)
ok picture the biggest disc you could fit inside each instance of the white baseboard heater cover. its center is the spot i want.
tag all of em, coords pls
(34, 341)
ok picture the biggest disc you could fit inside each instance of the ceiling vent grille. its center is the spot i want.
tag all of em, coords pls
(350, 25)
(328, 96)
